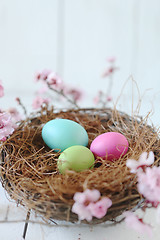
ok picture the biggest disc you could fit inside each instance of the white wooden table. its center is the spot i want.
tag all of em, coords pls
(9, 231)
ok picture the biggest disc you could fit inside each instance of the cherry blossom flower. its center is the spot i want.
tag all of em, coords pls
(87, 196)
(37, 76)
(109, 98)
(111, 59)
(82, 211)
(142, 162)
(87, 205)
(109, 71)
(82, 200)
(99, 209)
(149, 184)
(42, 75)
(15, 114)
(43, 89)
(38, 102)
(75, 94)
(1, 90)
(96, 100)
(45, 73)
(6, 125)
(18, 100)
(134, 222)
(54, 80)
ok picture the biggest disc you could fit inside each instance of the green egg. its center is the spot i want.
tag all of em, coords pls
(76, 158)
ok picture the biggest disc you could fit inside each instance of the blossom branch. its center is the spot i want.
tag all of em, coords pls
(54, 83)
(104, 97)
(61, 93)
(22, 105)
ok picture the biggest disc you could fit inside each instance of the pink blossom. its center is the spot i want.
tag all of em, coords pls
(96, 100)
(99, 209)
(149, 184)
(15, 114)
(54, 80)
(109, 71)
(82, 211)
(132, 221)
(18, 100)
(87, 196)
(1, 90)
(37, 76)
(6, 125)
(38, 102)
(141, 163)
(45, 73)
(42, 75)
(82, 201)
(111, 59)
(76, 94)
(109, 98)
(87, 205)
(43, 89)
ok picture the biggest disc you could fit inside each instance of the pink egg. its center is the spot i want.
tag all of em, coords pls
(111, 145)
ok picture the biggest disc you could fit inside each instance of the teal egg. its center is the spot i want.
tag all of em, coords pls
(60, 134)
(76, 158)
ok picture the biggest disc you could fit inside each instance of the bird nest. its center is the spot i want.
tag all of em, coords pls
(29, 168)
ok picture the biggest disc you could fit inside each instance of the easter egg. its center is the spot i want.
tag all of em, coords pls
(60, 134)
(76, 158)
(111, 145)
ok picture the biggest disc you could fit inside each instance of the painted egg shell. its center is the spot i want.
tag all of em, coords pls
(111, 145)
(60, 134)
(76, 158)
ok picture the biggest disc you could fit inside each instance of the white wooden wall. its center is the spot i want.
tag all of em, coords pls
(75, 38)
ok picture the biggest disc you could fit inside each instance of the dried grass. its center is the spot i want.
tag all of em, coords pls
(29, 168)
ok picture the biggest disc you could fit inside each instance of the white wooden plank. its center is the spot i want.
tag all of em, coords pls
(28, 40)
(148, 59)
(95, 30)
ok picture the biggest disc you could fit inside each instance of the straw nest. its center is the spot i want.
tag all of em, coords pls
(29, 168)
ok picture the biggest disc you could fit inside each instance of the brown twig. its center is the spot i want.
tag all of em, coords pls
(22, 105)
(26, 224)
